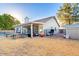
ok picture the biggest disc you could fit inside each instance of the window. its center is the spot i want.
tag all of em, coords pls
(18, 30)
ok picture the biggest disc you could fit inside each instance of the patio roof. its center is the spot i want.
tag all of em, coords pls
(26, 24)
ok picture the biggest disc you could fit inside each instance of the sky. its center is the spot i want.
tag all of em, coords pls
(32, 10)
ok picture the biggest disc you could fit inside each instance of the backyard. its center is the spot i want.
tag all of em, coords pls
(54, 46)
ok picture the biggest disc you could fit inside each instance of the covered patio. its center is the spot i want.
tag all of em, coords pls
(32, 28)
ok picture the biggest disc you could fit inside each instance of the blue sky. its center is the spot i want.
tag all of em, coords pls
(32, 10)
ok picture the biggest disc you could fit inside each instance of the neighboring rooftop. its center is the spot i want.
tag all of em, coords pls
(75, 25)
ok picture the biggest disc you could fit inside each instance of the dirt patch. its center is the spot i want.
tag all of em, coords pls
(39, 46)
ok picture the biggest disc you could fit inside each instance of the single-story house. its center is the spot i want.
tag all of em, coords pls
(37, 26)
(72, 31)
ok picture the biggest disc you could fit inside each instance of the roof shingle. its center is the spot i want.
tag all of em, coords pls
(43, 20)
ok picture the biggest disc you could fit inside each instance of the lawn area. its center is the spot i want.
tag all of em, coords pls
(39, 46)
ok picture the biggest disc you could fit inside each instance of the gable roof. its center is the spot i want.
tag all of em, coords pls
(43, 20)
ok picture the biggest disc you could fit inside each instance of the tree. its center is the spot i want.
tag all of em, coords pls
(17, 22)
(7, 21)
(75, 12)
(68, 13)
(1, 22)
(64, 14)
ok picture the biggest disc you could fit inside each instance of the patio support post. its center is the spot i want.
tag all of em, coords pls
(31, 30)
(15, 30)
(21, 29)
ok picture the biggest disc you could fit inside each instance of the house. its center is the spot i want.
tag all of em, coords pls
(72, 31)
(44, 24)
